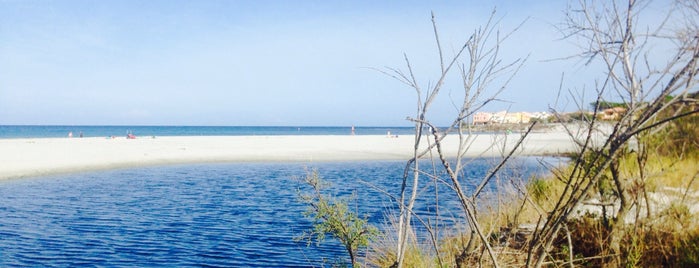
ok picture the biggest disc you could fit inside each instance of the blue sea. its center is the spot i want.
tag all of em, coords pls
(54, 131)
(210, 215)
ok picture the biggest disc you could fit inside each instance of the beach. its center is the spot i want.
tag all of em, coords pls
(30, 157)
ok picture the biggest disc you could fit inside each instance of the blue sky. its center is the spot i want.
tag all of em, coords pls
(254, 62)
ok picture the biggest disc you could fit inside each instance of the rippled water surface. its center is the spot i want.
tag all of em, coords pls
(210, 215)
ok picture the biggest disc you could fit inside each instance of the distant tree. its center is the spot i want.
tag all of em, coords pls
(603, 105)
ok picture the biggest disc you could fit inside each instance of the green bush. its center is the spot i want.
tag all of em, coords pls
(332, 216)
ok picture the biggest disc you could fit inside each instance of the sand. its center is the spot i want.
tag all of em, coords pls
(43, 156)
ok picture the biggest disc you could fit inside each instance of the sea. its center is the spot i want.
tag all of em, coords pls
(58, 131)
(210, 215)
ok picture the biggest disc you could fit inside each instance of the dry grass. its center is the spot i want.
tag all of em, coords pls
(663, 230)
(669, 237)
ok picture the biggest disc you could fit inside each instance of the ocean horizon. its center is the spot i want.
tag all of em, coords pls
(59, 131)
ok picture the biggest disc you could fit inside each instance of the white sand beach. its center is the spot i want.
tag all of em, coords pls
(42, 156)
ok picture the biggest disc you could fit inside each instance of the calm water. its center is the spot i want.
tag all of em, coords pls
(105, 131)
(223, 215)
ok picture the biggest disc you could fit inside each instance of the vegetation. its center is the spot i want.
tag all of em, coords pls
(483, 74)
(625, 198)
(660, 230)
(579, 116)
(616, 170)
(333, 216)
(603, 105)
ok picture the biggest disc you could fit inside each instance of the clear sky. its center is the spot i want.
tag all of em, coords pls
(254, 62)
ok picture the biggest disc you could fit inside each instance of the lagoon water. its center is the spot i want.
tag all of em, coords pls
(218, 215)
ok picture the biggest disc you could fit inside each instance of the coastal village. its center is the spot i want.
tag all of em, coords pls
(505, 117)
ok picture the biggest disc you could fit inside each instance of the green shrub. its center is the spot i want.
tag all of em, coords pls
(333, 216)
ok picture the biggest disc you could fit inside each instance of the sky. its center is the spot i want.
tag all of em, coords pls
(259, 63)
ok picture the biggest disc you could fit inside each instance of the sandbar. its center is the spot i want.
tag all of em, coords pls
(32, 157)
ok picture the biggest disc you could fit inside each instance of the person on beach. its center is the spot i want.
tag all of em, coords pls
(352, 130)
(70, 134)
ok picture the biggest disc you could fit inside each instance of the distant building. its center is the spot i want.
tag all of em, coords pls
(498, 117)
(612, 114)
(517, 118)
(482, 118)
(504, 117)
(541, 115)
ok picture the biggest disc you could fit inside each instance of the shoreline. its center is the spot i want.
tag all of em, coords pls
(34, 157)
